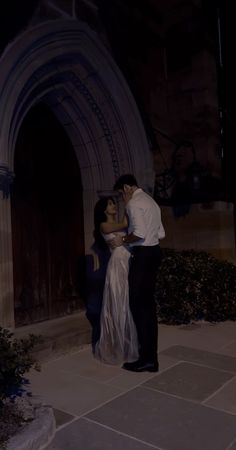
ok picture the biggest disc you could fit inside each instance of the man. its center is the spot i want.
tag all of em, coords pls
(145, 230)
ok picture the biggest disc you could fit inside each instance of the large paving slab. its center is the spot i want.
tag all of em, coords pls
(189, 381)
(167, 422)
(85, 435)
(71, 393)
(210, 359)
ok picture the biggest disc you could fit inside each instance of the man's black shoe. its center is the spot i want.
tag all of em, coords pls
(139, 366)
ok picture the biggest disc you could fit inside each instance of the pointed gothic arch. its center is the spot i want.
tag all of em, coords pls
(64, 65)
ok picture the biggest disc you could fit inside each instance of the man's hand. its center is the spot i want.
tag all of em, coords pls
(116, 242)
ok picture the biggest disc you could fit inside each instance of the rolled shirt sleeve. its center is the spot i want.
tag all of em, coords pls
(161, 232)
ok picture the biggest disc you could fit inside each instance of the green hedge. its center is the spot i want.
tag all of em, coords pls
(195, 286)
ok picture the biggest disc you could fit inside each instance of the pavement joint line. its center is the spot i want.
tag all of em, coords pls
(65, 355)
(64, 425)
(208, 367)
(151, 375)
(121, 394)
(76, 417)
(102, 404)
(154, 374)
(189, 400)
(219, 409)
(226, 345)
(80, 416)
(108, 381)
(169, 367)
(123, 434)
(219, 390)
(147, 387)
(89, 378)
(231, 444)
(211, 367)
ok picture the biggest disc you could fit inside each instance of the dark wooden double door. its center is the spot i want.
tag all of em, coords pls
(47, 221)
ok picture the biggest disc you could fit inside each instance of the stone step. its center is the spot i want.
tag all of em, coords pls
(60, 336)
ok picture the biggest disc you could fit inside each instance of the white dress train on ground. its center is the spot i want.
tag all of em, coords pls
(118, 339)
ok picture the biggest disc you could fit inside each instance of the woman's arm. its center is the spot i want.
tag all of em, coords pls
(107, 227)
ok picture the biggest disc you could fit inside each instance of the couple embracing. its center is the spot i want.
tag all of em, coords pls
(128, 323)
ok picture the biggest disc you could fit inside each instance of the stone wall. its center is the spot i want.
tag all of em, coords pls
(168, 53)
(184, 100)
(208, 227)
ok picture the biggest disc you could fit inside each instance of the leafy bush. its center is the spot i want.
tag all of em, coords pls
(10, 422)
(15, 360)
(195, 286)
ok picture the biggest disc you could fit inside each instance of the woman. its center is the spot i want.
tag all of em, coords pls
(118, 339)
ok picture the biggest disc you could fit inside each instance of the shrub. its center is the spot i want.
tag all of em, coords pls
(10, 422)
(193, 286)
(15, 360)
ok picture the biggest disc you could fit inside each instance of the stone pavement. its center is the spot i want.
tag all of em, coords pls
(189, 405)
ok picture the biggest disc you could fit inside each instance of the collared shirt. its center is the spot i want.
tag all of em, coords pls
(144, 219)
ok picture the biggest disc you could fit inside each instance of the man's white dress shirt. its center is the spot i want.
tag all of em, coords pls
(144, 219)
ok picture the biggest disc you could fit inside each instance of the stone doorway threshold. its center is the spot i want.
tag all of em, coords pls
(60, 336)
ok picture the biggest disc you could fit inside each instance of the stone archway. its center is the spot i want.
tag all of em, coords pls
(64, 65)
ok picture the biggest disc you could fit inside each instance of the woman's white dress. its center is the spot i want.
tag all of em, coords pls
(118, 339)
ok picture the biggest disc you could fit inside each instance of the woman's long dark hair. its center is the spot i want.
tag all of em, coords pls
(100, 217)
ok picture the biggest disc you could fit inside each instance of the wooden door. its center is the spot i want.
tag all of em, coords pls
(47, 221)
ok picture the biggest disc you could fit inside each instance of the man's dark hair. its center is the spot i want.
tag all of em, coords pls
(128, 178)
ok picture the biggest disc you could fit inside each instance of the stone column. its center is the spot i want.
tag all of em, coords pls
(6, 257)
